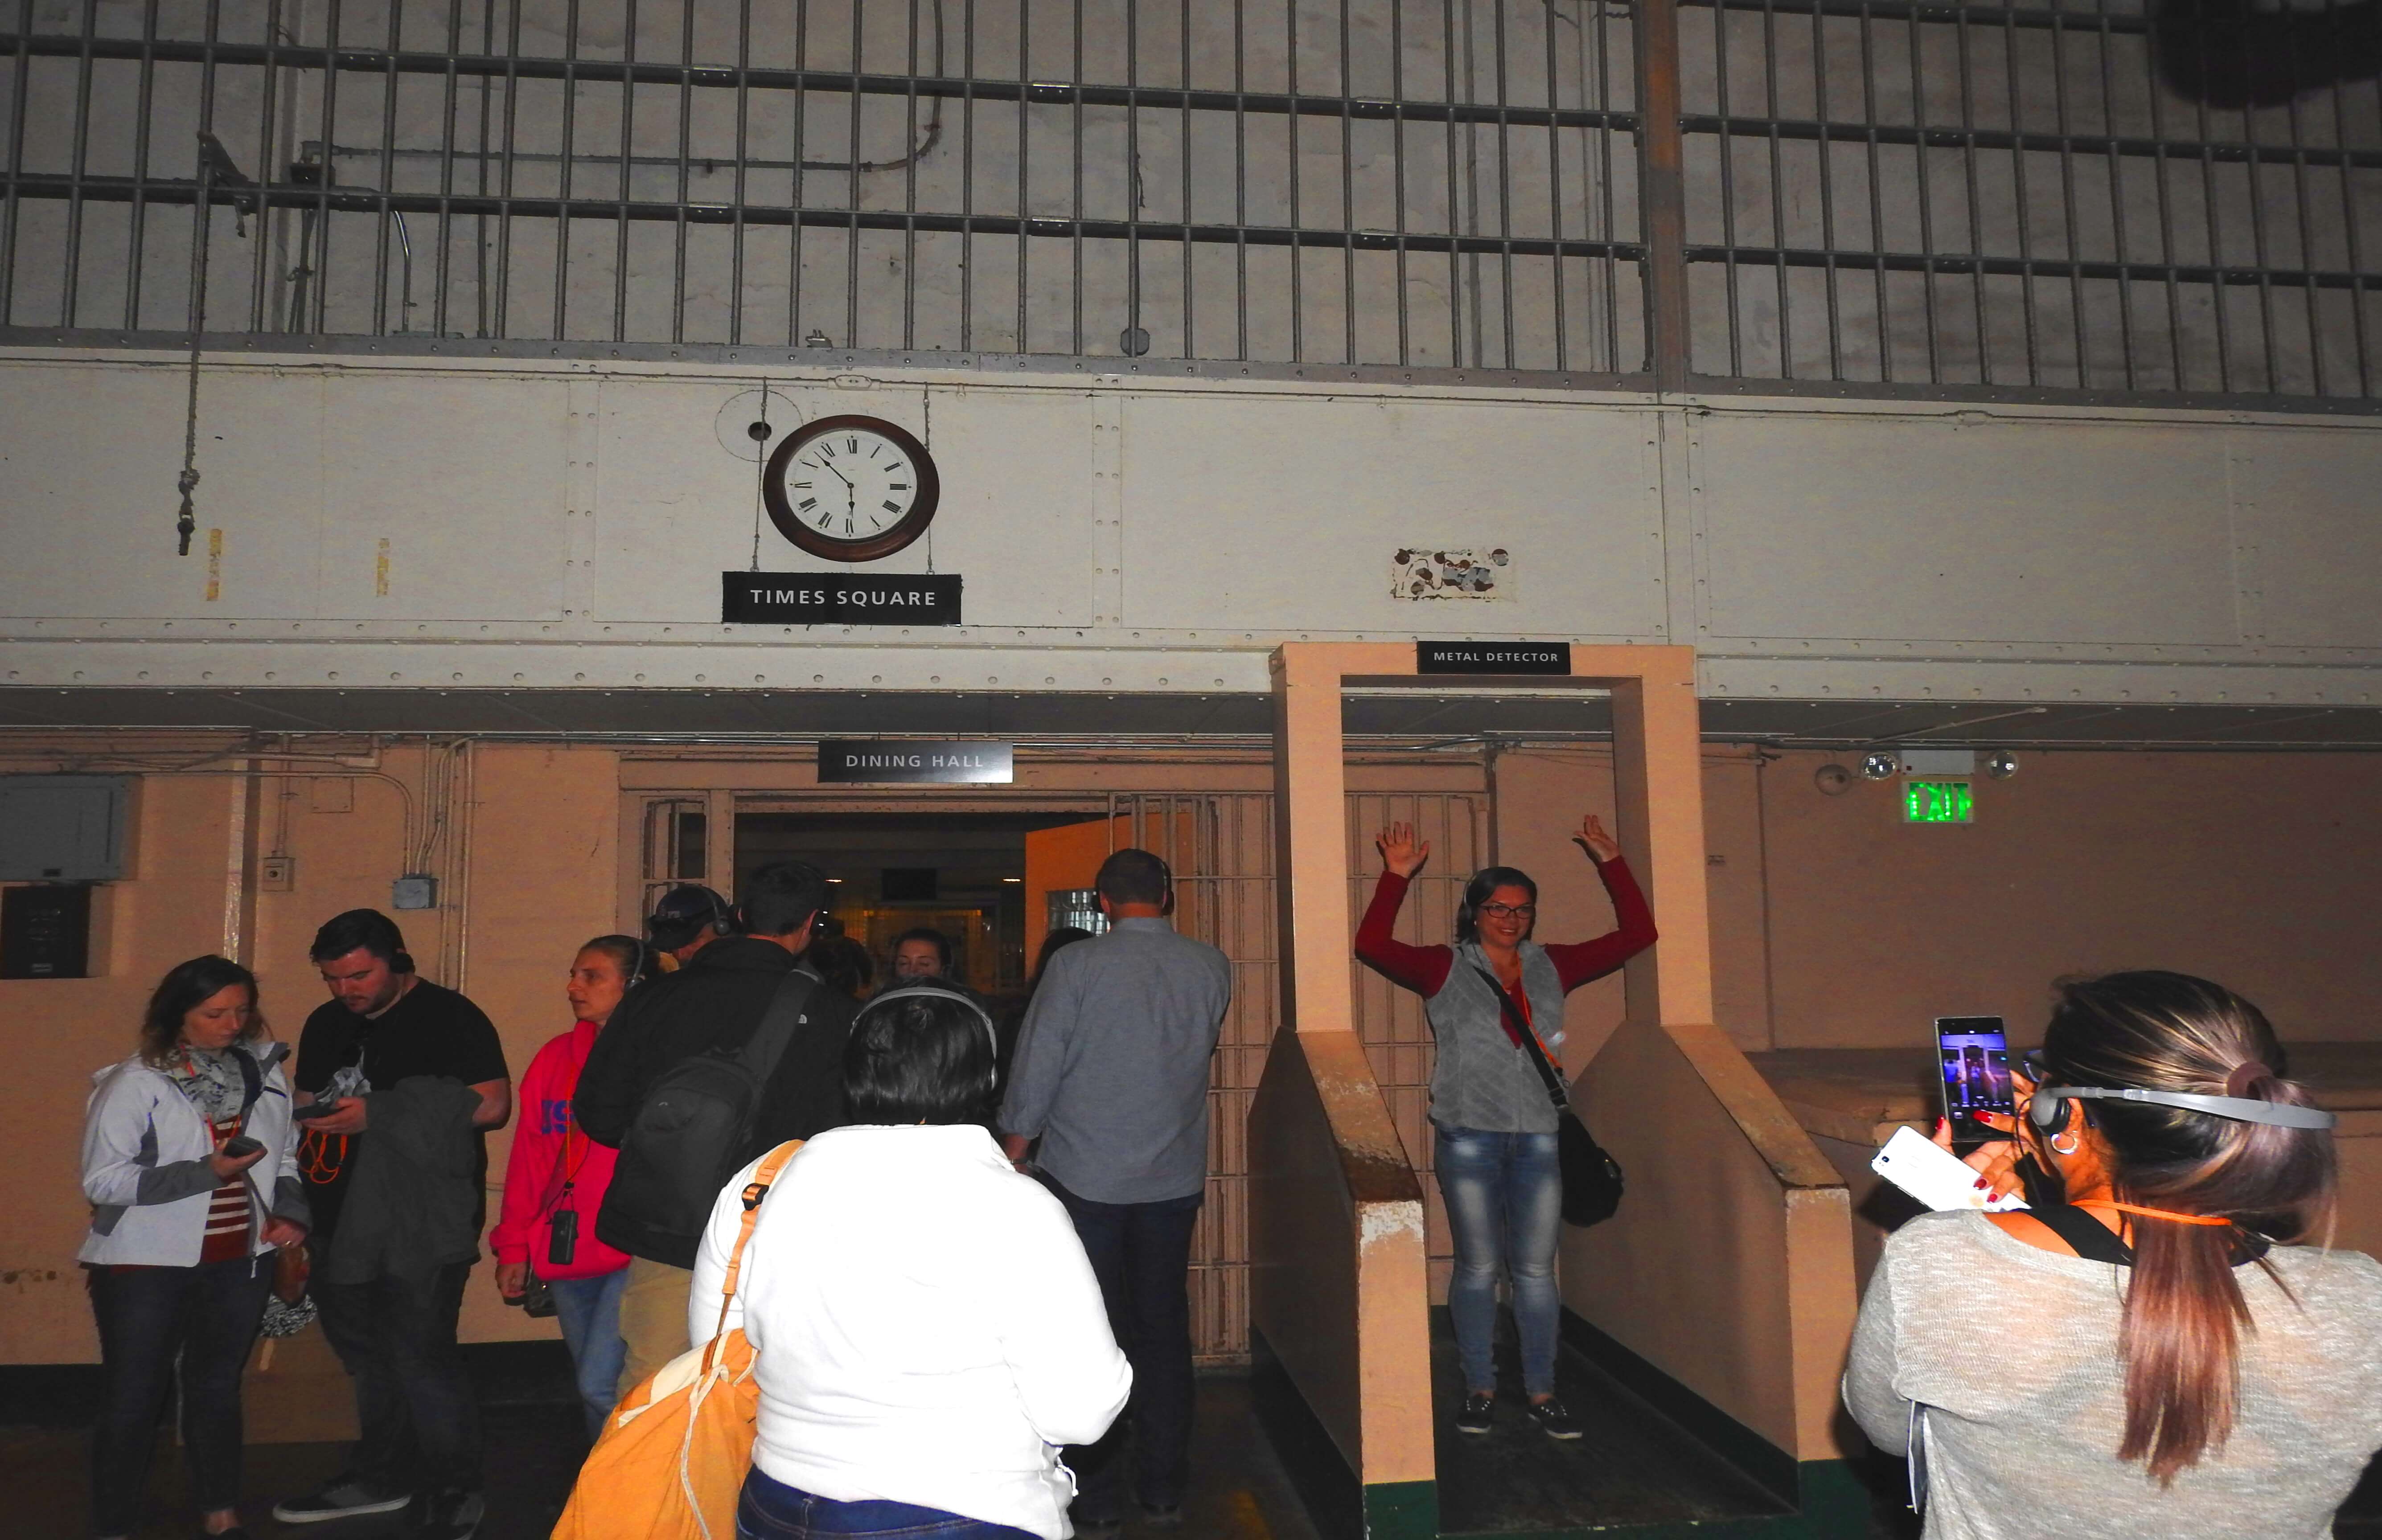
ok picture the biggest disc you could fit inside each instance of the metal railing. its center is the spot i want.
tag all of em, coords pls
(2106, 197)
(1176, 177)
(1894, 193)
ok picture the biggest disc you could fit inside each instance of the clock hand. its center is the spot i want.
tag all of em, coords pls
(850, 506)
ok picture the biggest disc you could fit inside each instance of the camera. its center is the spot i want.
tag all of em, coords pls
(562, 1238)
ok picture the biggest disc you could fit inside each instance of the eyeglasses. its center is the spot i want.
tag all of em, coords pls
(1510, 911)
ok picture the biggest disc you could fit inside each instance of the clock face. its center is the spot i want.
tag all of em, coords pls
(850, 488)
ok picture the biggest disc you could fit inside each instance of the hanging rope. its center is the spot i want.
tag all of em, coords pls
(760, 434)
(202, 213)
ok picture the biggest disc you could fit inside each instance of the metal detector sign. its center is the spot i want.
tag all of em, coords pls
(839, 599)
(912, 761)
(1493, 657)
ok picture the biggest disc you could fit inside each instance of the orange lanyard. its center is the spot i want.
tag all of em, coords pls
(2152, 1213)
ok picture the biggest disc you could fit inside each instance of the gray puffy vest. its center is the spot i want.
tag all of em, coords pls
(1483, 1080)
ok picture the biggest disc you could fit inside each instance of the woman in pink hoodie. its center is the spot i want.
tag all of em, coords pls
(555, 1181)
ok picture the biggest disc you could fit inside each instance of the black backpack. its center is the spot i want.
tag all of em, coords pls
(692, 1130)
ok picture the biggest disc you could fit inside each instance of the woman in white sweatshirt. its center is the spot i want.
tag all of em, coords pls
(183, 1226)
(926, 1328)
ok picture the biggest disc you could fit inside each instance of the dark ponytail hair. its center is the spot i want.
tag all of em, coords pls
(185, 988)
(1488, 880)
(632, 957)
(2184, 1311)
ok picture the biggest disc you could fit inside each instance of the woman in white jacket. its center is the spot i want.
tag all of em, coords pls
(183, 1225)
(926, 1327)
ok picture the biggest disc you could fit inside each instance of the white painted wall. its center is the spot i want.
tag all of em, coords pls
(486, 523)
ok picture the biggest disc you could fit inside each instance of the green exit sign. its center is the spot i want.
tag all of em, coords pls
(1938, 802)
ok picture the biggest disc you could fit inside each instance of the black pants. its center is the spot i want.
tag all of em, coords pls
(418, 1421)
(1141, 1252)
(207, 1315)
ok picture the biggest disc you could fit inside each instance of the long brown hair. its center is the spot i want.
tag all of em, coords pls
(2184, 1311)
(185, 988)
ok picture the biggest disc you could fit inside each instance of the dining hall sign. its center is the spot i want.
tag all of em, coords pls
(915, 761)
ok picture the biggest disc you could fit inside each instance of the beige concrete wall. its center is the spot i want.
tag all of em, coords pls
(1836, 924)
(524, 840)
(1730, 1264)
(2261, 870)
(59, 1030)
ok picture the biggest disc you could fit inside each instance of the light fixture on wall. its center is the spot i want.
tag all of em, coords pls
(1833, 779)
(2003, 765)
(1880, 766)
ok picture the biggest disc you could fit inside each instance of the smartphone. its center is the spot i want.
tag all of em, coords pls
(1974, 1057)
(1936, 1176)
(315, 1109)
(240, 1146)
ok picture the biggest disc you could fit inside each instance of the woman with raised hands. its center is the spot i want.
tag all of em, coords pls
(1494, 1126)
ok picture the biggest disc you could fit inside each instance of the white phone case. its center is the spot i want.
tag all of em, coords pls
(1935, 1174)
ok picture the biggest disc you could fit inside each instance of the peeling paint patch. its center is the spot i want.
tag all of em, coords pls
(380, 571)
(1378, 1222)
(1419, 572)
(1338, 1091)
(215, 565)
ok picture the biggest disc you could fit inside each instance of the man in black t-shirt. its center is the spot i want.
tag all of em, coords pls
(395, 1331)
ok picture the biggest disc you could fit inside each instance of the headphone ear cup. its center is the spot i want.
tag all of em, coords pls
(2048, 1112)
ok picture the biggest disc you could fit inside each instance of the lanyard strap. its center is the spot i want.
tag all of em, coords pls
(1518, 1027)
(2150, 1213)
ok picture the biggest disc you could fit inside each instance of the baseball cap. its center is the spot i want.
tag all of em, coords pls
(684, 912)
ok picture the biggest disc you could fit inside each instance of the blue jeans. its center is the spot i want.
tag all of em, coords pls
(1505, 1206)
(770, 1510)
(589, 1311)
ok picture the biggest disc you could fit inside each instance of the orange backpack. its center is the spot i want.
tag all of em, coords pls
(674, 1454)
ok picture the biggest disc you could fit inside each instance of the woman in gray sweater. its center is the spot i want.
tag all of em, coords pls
(2158, 1356)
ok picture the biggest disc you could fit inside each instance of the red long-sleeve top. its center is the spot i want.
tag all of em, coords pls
(1425, 968)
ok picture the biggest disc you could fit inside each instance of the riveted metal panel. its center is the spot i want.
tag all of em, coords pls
(1989, 531)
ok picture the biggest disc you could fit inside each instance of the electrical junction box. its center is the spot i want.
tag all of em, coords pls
(45, 933)
(414, 890)
(63, 828)
(1939, 761)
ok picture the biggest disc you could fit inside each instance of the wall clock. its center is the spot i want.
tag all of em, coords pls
(850, 488)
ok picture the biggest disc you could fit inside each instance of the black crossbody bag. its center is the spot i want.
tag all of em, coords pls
(1591, 1178)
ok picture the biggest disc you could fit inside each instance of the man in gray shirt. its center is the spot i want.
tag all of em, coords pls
(1111, 1075)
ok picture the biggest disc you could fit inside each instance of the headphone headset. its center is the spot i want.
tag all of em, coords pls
(399, 960)
(722, 920)
(937, 992)
(2049, 1110)
(644, 961)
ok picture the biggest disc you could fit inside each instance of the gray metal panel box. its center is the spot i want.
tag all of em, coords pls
(63, 828)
